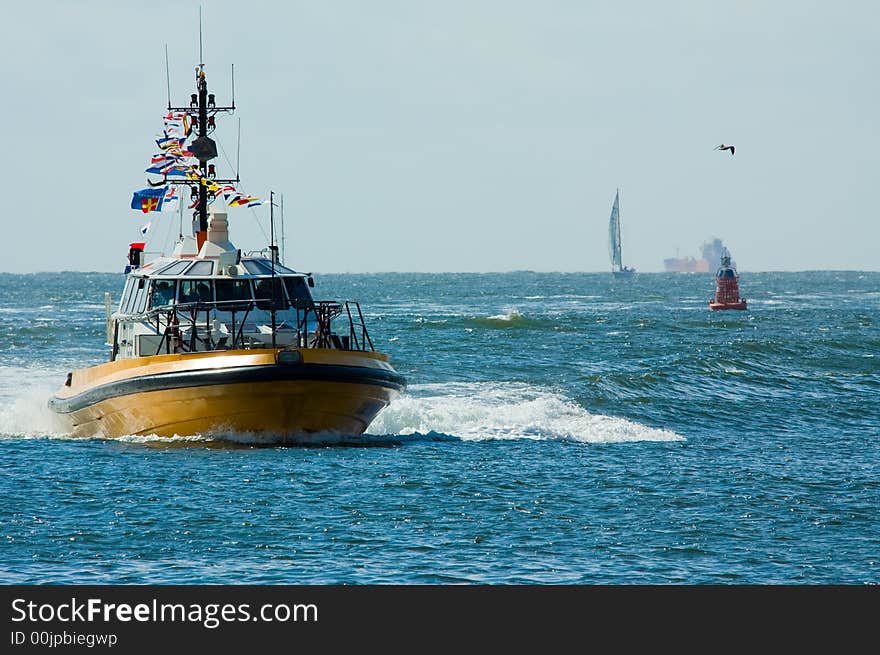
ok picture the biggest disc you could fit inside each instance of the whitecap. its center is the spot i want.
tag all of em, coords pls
(506, 410)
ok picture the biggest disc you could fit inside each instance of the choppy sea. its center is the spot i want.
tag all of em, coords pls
(557, 428)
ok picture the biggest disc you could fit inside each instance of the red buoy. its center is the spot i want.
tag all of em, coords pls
(727, 286)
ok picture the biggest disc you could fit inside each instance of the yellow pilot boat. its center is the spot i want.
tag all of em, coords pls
(211, 341)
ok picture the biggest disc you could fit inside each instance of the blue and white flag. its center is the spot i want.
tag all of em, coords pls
(146, 228)
(171, 201)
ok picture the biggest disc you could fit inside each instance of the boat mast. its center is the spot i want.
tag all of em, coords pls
(203, 160)
(203, 148)
(207, 149)
(202, 110)
(618, 248)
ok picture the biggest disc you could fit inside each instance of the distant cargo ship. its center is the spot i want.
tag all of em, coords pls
(712, 251)
(685, 265)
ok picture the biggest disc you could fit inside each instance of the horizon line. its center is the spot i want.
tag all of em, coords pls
(493, 272)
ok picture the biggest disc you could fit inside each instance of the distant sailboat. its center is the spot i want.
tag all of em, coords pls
(617, 267)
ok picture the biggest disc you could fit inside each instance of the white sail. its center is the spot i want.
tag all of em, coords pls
(614, 234)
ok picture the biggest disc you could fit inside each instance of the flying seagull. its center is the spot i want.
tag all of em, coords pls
(724, 147)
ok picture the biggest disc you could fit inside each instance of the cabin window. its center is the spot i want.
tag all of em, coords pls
(266, 266)
(298, 292)
(140, 300)
(196, 291)
(136, 283)
(252, 268)
(174, 269)
(260, 267)
(263, 293)
(201, 268)
(126, 294)
(163, 293)
(228, 291)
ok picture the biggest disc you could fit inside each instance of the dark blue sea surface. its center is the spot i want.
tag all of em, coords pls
(558, 428)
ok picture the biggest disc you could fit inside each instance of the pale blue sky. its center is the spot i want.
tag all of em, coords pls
(474, 135)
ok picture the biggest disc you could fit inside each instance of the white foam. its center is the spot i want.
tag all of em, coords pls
(227, 437)
(150, 438)
(511, 315)
(505, 410)
(24, 393)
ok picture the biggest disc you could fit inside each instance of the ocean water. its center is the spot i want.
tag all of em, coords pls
(557, 429)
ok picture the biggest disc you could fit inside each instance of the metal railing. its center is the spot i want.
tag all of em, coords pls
(196, 326)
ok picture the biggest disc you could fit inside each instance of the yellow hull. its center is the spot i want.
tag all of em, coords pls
(274, 397)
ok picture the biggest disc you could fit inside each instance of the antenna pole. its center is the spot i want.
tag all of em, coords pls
(283, 251)
(167, 77)
(272, 256)
(238, 154)
(201, 58)
(233, 86)
(272, 246)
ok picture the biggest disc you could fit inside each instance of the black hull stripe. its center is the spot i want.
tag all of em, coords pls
(239, 375)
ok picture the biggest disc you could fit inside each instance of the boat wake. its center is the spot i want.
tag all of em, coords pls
(456, 410)
(23, 409)
(505, 410)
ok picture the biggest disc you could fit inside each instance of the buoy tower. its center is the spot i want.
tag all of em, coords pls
(727, 286)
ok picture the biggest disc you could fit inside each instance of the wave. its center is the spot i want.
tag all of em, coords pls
(505, 410)
(508, 320)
